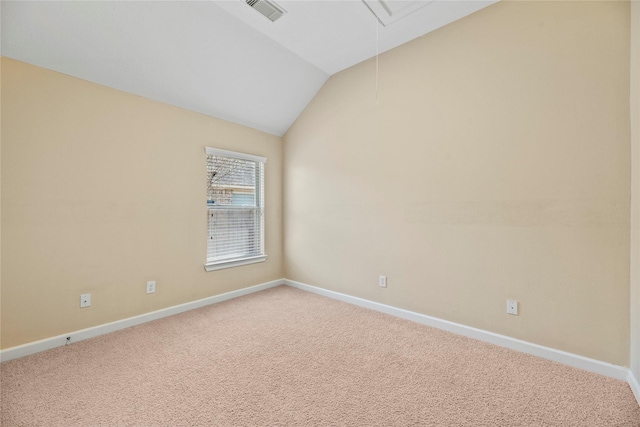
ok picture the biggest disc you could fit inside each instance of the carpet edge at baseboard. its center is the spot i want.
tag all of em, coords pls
(634, 384)
(565, 358)
(570, 359)
(105, 328)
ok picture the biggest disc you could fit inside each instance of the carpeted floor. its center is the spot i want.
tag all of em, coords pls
(286, 357)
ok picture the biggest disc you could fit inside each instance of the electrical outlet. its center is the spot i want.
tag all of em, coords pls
(85, 300)
(512, 307)
(382, 282)
(151, 286)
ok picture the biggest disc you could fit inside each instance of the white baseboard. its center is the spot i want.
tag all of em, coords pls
(634, 384)
(577, 361)
(83, 334)
(574, 360)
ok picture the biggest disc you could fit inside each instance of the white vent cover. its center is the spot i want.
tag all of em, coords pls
(267, 8)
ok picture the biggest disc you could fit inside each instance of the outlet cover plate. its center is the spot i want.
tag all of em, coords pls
(512, 307)
(383, 281)
(85, 300)
(151, 286)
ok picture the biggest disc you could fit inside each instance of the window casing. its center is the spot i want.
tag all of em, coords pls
(235, 209)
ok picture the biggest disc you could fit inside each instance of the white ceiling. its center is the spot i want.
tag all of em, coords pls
(220, 58)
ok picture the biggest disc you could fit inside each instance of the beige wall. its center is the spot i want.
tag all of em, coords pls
(0, 203)
(635, 190)
(494, 164)
(102, 191)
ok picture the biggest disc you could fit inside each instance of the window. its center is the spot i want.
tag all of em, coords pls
(235, 206)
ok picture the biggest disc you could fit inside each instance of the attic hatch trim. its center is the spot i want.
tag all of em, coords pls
(388, 11)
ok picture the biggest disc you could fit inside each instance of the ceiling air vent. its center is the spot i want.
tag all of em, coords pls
(267, 8)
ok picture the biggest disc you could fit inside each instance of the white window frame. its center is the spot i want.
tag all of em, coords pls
(235, 262)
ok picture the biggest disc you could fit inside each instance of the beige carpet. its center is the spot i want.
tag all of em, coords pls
(287, 357)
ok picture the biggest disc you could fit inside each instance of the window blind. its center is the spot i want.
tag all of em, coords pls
(235, 205)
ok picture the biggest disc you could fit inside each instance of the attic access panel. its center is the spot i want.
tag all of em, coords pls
(389, 11)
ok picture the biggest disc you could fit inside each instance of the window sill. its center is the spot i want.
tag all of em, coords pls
(234, 263)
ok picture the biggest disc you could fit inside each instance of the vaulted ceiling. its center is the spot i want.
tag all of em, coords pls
(220, 58)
